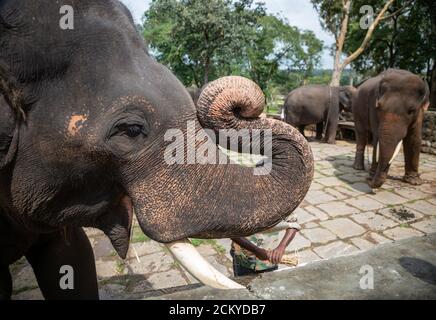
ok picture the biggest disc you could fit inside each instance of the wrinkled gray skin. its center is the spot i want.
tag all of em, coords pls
(84, 116)
(390, 108)
(320, 105)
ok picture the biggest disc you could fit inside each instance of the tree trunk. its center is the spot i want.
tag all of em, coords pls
(433, 88)
(337, 69)
(336, 77)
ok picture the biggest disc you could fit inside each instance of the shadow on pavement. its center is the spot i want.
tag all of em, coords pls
(419, 269)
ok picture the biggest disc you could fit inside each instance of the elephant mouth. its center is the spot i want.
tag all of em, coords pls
(117, 225)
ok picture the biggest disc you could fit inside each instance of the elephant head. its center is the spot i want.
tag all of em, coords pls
(194, 92)
(401, 98)
(88, 121)
(346, 97)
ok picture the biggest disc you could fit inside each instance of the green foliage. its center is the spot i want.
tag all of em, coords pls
(199, 39)
(198, 242)
(120, 267)
(405, 41)
(138, 236)
(203, 40)
(330, 14)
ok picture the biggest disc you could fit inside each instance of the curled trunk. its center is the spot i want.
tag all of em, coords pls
(219, 201)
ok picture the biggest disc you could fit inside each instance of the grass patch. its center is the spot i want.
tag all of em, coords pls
(197, 242)
(219, 248)
(216, 246)
(138, 236)
(120, 267)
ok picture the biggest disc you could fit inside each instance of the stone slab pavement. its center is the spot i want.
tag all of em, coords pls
(341, 215)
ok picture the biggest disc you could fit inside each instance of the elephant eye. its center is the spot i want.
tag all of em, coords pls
(132, 131)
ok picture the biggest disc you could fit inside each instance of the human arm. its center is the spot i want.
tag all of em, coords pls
(275, 256)
(260, 253)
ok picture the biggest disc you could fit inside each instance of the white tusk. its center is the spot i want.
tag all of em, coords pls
(185, 253)
(397, 150)
(282, 115)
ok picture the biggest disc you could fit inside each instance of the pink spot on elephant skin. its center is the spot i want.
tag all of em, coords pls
(76, 123)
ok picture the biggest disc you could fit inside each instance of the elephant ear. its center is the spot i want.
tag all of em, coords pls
(426, 103)
(345, 98)
(8, 133)
(379, 89)
(11, 103)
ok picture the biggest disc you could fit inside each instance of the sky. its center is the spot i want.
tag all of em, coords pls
(300, 13)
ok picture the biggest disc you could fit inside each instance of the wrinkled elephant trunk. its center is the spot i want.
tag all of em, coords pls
(388, 147)
(191, 196)
(211, 199)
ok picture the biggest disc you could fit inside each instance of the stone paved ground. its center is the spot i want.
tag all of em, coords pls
(340, 215)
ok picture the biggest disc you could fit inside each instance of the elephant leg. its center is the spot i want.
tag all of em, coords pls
(319, 130)
(301, 129)
(5, 283)
(330, 136)
(375, 156)
(412, 150)
(361, 141)
(64, 266)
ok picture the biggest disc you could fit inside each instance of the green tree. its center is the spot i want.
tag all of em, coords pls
(277, 45)
(202, 40)
(406, 40)
(196, 37)
(402, 41)
(336, 15)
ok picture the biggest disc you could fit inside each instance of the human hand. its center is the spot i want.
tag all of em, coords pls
(276, 255)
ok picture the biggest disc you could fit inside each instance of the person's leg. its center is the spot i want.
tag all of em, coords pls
(238, 270)
(273, 268)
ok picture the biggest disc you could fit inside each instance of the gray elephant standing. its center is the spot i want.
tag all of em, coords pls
(390, 109)
(320, 105)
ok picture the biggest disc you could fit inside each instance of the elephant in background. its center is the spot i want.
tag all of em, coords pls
(83, 141)
(320, 105)
(194, 92)
(390, 108)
